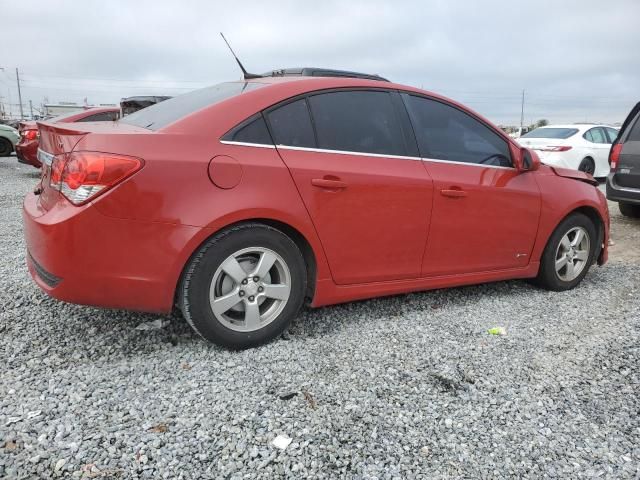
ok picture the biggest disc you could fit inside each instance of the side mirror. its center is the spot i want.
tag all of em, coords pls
(529, 160)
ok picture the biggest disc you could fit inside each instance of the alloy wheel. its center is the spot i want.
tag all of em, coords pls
(572, 254)
(250, 289)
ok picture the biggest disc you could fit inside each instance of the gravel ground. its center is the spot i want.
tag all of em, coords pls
(404, 387)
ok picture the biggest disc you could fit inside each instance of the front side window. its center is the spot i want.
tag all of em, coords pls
(446, 133)
(357, 121)
(291, 125)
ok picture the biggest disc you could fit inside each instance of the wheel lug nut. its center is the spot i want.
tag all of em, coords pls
(255, 279)
(251, 298)
(261, 289)
(245, 281)
(241, 293)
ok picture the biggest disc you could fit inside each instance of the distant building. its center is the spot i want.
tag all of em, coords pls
(55, 109)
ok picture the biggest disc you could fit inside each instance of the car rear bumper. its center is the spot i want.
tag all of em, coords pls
(616, 193)
(27, 153)
(78, 255)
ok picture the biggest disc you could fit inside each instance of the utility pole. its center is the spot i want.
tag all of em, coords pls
(522, 113)
(19, 94)
(31, 109)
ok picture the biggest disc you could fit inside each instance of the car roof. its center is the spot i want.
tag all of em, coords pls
(277, 89)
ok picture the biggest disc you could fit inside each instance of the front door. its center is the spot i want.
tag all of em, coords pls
(485, 212)
(369, 200)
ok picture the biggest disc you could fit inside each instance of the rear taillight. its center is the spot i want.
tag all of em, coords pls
(614, 155)
(556, 148)
(30, 134)
(82, 176)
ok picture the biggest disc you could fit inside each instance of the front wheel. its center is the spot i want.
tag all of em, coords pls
(244, 286)
(569, 253)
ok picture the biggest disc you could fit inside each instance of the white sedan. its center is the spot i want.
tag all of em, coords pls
(583, 147)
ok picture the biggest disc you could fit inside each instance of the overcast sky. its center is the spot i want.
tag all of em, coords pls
(577, 60)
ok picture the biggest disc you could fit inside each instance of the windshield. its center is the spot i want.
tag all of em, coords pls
(164, 113)
(551, 133)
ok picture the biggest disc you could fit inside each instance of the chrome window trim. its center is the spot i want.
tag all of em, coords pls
(45, 158)
(362, 154)
(437, 160)
(346, 152)
(247, 144)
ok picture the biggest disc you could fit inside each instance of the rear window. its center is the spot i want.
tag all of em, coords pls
(164, 113)
(551, 133)
(634, 134)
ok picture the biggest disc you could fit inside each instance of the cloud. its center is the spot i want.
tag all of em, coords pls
(575, 59)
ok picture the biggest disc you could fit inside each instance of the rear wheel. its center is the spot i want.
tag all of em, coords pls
(244, 286)
(5, 147)
(629, 210)
(587, 165)
(569, 253)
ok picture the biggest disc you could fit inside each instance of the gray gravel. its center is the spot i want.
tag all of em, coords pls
(404, 387)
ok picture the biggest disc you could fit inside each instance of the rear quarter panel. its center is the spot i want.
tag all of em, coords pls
(174, 187)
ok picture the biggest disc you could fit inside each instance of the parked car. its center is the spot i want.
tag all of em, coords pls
(8, 138)
(583, 147)
(27, 148)
(133, 104)
(623, 183)
(241, 201)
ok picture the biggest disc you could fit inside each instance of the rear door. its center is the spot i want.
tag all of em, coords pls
(358, 172)
(600, 146)
(485, 212)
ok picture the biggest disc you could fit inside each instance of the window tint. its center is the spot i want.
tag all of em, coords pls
(291, 125)
(596, 135)
(634, 135)
(101, 117)
(551, 133)
(357, 121)
(613, 134)
(446, 133)
(253, 130)
(163, 113)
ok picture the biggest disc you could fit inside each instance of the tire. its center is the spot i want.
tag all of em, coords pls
(629, 210)
(561, 279)
(587, 165)
(5, 147)
(257, 317)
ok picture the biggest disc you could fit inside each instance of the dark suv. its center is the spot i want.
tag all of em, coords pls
(623, 182)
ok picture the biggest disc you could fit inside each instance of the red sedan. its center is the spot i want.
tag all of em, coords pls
(240, 202)
(27, 147)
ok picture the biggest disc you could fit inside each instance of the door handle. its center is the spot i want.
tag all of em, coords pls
(328, 183)
(453, 193)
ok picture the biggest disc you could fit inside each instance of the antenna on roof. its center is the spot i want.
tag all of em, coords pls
(245, 74)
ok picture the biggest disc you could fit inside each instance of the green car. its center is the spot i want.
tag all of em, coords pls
(9, 136)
